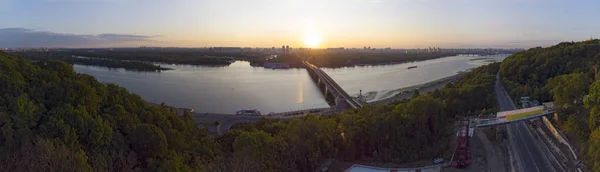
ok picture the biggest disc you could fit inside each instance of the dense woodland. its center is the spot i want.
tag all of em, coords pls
(103, 62)
(565, 74)
(171, 57)
(53, 119)
(341, 59)
(120, 58)
(321, 58)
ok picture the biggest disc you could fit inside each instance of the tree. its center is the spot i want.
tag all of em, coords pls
(148, 141)
(568, 90)
(592, 102)
(38, 154)
(593, 153)
(260, 147)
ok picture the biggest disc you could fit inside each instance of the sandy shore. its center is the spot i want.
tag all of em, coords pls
(407, 92)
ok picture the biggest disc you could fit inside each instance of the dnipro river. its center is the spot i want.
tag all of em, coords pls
(241, 86)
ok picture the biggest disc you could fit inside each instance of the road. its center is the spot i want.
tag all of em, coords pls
(525, 148)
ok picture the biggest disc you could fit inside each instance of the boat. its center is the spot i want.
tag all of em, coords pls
(410, 67)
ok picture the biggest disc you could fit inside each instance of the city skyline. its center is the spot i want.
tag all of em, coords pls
(311, 24)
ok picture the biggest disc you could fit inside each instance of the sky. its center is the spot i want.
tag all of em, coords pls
(307, 23)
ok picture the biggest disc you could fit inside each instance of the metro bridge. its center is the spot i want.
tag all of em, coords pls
(333, 92)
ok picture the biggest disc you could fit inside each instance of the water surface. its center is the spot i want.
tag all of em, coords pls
(219, 89)
(241, 86)
(384, 81)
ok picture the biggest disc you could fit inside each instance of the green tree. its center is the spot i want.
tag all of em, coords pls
(148, 141)
(592, 102)
(593, 153)
(260, 147)
(568, 90)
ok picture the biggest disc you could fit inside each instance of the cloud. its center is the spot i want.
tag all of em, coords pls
(22, 37)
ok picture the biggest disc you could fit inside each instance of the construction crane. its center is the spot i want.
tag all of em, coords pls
(461, 159)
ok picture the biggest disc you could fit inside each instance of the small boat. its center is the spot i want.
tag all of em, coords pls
(410, 67)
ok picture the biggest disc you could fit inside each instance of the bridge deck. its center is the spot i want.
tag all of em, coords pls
(330, 83)
(502, 121)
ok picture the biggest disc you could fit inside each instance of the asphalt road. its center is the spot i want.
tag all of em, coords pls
(525, 148)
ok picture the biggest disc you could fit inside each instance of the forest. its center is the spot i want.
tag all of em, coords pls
(566, 74)
(171, 57)
(142, 59)
(341, 59)
(54, 119)
(103, 62)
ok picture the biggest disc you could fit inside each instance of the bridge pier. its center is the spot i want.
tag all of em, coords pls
(326, 90)
(332, 91)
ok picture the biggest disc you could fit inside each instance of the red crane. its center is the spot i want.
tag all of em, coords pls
(461, 154)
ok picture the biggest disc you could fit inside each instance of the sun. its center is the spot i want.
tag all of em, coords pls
(312, 40)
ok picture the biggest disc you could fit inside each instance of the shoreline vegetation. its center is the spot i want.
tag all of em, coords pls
(101, 62)
(115, 64)
(338, 60)
(143, 59)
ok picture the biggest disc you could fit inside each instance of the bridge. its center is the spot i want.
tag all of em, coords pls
(515, 116)
(335, 95)
(502, 121)
(333, 92)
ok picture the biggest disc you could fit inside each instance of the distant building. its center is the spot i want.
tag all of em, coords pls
(226, 49)
(339, 49)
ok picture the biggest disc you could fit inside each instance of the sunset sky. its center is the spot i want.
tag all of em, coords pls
(311, 23)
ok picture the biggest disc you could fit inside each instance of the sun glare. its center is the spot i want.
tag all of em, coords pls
(312, 40)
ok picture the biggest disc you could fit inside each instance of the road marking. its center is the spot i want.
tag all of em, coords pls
(526, 147)
(512, 140)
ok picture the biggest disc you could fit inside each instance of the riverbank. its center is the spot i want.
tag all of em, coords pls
(407, 92)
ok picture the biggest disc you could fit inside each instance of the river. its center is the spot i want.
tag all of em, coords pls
(241, 86)
(383, 81)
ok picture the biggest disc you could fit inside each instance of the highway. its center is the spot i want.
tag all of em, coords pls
(525, 149)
